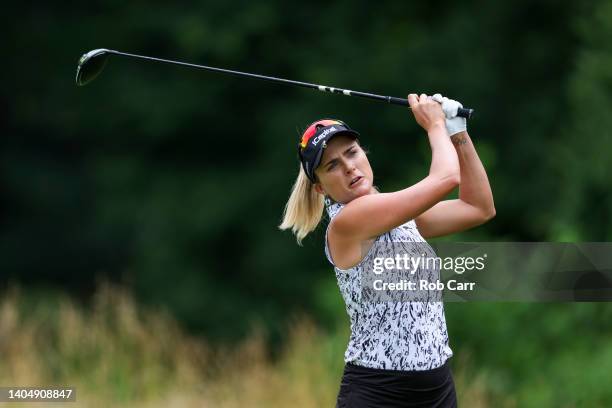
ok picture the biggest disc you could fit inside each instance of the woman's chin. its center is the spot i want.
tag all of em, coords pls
(364, 188)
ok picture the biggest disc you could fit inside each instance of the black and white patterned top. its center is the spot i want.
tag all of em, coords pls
(392, 335)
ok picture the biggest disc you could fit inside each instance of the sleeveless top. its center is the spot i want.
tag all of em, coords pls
(392, 335)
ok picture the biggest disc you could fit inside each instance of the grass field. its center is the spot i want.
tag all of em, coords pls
(117, 354)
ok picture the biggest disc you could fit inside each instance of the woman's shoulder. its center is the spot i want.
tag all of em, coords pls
(333, 209)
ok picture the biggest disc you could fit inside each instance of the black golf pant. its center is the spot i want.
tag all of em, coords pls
(363, 387)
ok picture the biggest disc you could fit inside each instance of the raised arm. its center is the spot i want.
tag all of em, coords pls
(475, 203)
(371, 215)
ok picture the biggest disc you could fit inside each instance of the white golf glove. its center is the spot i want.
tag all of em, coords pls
(454, 123)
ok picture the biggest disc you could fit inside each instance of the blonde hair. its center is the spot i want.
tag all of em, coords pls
(304, 210)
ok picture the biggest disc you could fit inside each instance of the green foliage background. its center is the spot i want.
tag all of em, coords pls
(173, 181)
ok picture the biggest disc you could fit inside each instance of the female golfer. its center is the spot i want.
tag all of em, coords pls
(398, 351)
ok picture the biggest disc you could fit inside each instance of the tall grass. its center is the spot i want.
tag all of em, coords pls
(118, 354)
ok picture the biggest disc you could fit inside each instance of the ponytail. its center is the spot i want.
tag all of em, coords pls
(304, 209)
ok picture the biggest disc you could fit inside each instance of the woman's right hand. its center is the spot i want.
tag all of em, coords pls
(427, 112)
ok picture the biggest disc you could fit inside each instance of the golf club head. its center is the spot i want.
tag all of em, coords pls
(90, 65)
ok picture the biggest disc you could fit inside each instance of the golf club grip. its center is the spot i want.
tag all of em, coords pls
(462, 112)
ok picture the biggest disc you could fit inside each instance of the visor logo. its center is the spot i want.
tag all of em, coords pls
(317, 139)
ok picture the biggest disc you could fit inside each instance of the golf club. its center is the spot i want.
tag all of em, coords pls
(93, 62)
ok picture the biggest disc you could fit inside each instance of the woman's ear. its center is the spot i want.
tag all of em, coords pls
(319, 188)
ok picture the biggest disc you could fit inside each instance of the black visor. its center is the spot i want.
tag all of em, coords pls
(315, 140)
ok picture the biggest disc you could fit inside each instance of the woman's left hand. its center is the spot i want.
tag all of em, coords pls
(454, 124)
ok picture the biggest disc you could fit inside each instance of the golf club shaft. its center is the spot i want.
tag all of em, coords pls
(463, 112)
